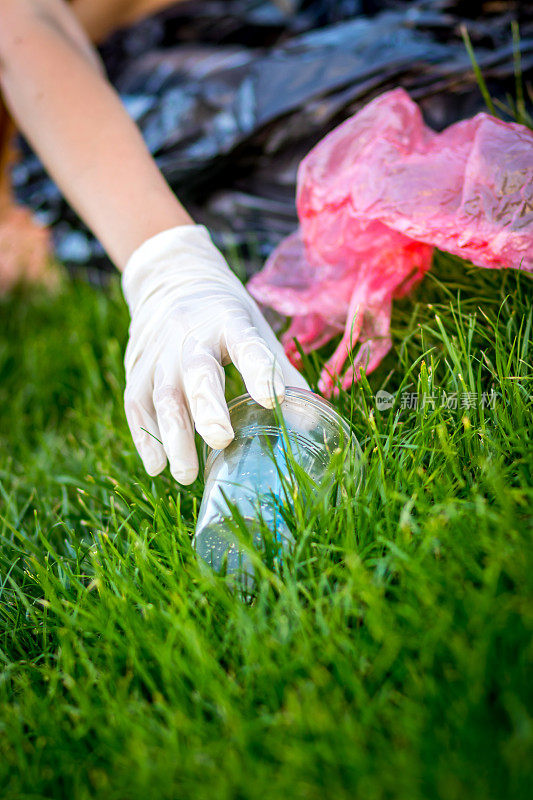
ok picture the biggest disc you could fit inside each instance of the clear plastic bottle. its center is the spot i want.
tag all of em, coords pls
(252, 473)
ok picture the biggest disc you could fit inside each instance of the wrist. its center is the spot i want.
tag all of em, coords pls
(128, 238)
(183, 252)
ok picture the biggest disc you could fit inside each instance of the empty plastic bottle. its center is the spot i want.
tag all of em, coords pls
(252, 474)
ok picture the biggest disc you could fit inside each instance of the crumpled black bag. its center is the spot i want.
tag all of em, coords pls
(230, 96)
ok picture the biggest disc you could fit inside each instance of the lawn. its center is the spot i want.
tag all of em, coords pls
(387, 656)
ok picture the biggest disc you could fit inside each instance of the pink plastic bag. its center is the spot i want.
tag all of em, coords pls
(374, 197)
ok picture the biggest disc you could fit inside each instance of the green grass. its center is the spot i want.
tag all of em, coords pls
(387, 657)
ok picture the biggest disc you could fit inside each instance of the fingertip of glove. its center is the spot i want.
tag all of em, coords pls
(154, 461)
(218, 436)
(154, 466)
(268, 393)
(184, 475)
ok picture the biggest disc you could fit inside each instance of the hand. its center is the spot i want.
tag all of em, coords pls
(190, 315)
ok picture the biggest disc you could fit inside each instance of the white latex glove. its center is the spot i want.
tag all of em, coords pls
(190, 315)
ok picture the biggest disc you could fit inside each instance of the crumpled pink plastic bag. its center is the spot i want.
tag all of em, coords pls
(374, 197)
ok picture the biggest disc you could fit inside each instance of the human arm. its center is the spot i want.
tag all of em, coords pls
(190, 314)
(76, 123)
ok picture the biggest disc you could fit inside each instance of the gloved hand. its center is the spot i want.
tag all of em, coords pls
(189, 316)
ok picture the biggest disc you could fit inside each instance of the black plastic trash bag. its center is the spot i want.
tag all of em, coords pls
(230, 96)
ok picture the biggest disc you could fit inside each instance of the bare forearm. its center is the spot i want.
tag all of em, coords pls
(78, 126)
